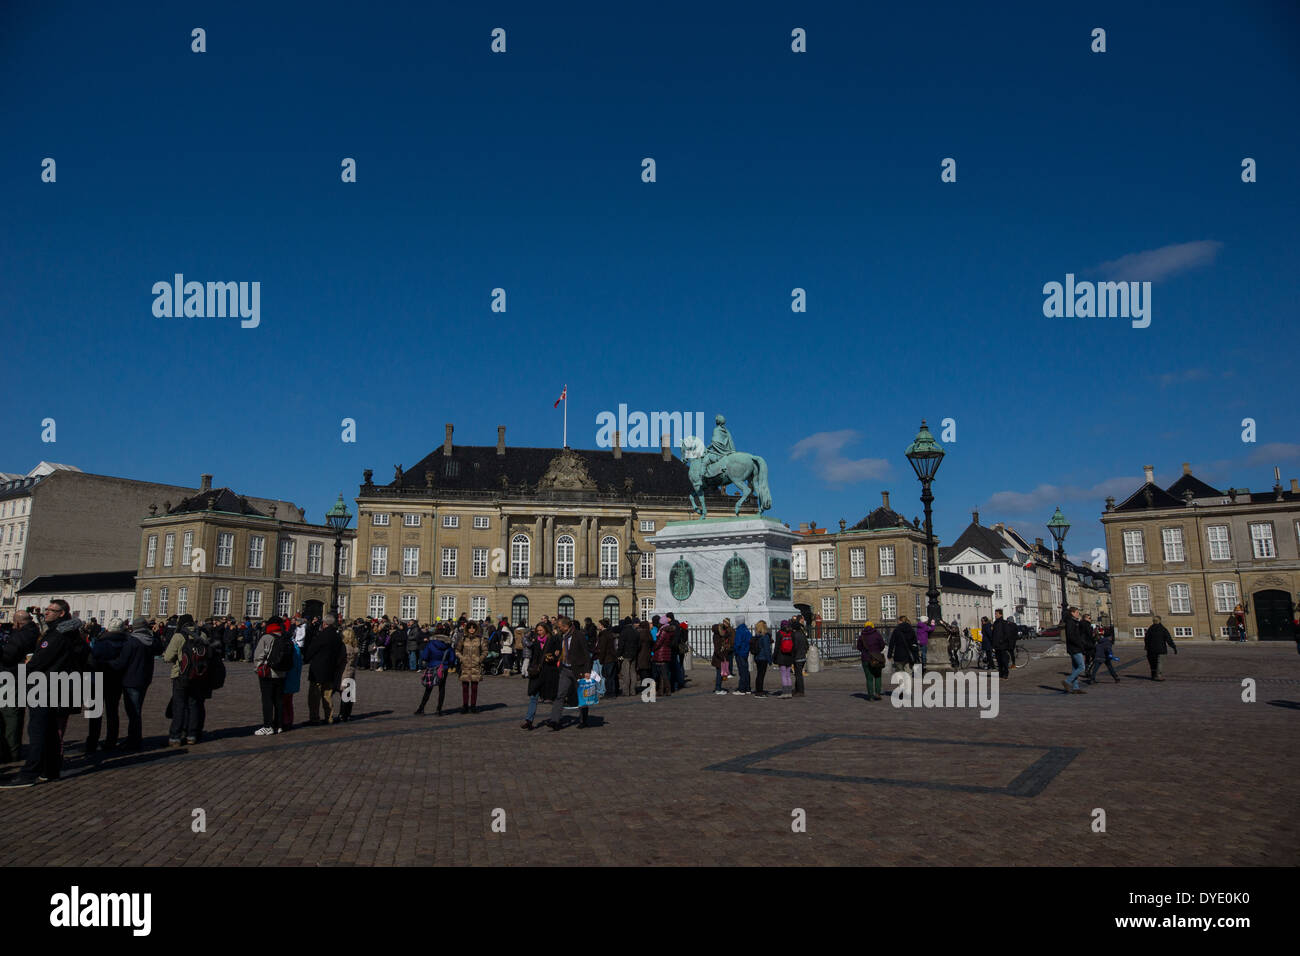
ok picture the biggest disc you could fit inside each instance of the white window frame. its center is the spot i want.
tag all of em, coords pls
(1171, 540)
(521, 553)
(889, 607)
(1182, 604)
(647, 525)
(410, 606)
(451, 521)
(1135, 549)
(169, 549)
(1139, 632)
(827, 567)
(410, 520)
(379, 559)
(187, 548)
(887, 562)
(164, 598)
(220, 602)
(916, 560)
(379, 520)
(1220, 549)
(376, 606)
(609, 561)
(182, 600)
(1139, 599)
(799, 564)
(225, 549)
(411, 560)
(829, 609)
(1185, 633)
(253, 603)
(341, 556)
(1225, 596)
(151, 551)
(146, 599)
(478, 606)
(284, 603)
(479, 563)
(315, 557)
(858, 606)
(481, 522)
(565, 558)
(647, 571)
(287, 554)
(1264, 537)
(858, 564)
(449, 562)
(447, 607)
(647, 607)
(256, 551)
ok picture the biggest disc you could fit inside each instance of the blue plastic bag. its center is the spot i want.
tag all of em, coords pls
(598, 672)
(587, 695)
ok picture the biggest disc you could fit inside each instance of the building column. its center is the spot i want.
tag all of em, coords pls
(505, 549)
(548, 556)
(584, 547)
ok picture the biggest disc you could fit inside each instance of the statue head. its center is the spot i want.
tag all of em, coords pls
(719, 420)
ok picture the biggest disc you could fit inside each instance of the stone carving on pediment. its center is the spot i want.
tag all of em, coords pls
(566, 472)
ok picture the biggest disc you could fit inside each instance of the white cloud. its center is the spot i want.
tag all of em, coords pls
(834, 467)
(1042, 500)
(1187, 375)
(1156, 264)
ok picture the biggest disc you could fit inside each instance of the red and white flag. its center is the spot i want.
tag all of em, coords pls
(564, 393)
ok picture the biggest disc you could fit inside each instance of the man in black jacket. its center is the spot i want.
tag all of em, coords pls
(136, 663)
(1074, 646)
(322, 660)
(1157, 639)
(61, 651)
(629, 643)
(575, 664)
(21, 642)
(1004, 642)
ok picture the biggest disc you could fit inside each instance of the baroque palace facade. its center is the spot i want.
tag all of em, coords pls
(515, 532)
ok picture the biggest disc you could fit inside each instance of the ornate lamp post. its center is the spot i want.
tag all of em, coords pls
(1059, 526)
(337, 518)
(634, 562)
(926, 455)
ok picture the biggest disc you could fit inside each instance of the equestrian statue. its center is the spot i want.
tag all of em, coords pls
(713, 467)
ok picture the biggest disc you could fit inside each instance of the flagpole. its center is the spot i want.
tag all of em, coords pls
(566, 416)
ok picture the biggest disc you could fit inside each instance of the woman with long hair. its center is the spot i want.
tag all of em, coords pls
(470, 650)
(348, 672)
(543, 671)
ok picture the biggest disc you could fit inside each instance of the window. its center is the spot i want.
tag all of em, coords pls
(343, 559)
(889, 606)
(220, 602)
(1261, 539)
(828, 565)
(409, 603)
(315, 557)
(410, 561)
(828, 608)
(1173, 542)
(150, 556)
(925, 562)
(410, 521)
(916, 560)
(187, 547)
(379, 521)
(1225, 596)
(343, 607)
(1220, 549)
(376, 605)
(448, 562)
(1134, 550)
(647, 565)
(226, 549)
(520, 552)
(253, 603)
(169, 549)
(283, 603)
(447, 606)
(256, 551)
(609, 610)
(1184, 632)
(859, 607)
(182, 600)
(451, 521)
(479, 563)
(647, 607)
(286, 554)
(1139, 632)
(23, 528)
(918, 606)
(997, 592)
(1139, 599)
(647, 525)
(379, 559)
(478, 607)
(609, 560)
(519, 610)
(163, 594)
(1223, 632)
(800, 558)
(887, 564)
(970, 570)
(564, 558)
(858, 564)
(565, 606)
(1180, 599)
(481, 522)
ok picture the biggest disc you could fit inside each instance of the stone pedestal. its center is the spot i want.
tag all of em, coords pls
(725, 567)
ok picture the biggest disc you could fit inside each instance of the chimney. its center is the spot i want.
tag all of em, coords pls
(446, 443)
(618, 444)
(205, 482)
(999, 527)
(1110, 503)
(501, 439)
(666, 447)
(842, 524)
(803, 525)
(1187, 468)
(1039, 542)
(884, 497)
(1148, 470)
(975, 517)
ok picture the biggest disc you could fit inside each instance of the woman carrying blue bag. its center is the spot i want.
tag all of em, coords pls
(437, 658)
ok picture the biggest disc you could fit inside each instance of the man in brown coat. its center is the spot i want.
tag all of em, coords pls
(575, 665)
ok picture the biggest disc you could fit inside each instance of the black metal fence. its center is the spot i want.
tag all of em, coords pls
(834, 642)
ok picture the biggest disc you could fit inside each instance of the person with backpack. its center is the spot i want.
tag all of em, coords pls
(783, 657)
(761, 647)
(61, 650)
(436, 660)
(871, 645)
(104, 651)
(194, 661)
(273, 659)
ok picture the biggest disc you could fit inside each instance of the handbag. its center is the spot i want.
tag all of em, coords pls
(264, 669)
(726, 667)
(876, 661)
(428, 677)
(587, 695)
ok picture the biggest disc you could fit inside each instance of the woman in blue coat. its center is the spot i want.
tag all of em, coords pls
(761, 645)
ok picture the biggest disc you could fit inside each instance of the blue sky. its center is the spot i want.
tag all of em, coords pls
(775, 170)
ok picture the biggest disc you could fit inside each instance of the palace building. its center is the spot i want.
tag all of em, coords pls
(497, 531)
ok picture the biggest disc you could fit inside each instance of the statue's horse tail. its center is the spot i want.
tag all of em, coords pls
(760, 483)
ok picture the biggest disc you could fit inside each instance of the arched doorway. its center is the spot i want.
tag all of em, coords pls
(313, 608)
(519, 611)
(1272, 615)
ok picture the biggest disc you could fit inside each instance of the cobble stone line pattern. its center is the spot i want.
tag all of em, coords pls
(1187, 773)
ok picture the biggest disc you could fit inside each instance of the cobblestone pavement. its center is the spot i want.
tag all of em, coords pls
(1186, 773)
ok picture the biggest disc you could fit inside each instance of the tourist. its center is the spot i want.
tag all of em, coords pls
(606, 656)
(1104, 655)
(192, 655)
(437, 659)
(741, 641)
(471, 648)
(293, 677)
(16, 648)
(136, 664)
(663, 659)
(276, 646)
(106, 649)
(1003, 639)
(871, 645)
(923, 630)
(721, 652)
(1089, 641)
(761, 645)
(902, 647)
(1075, 648)
(629, 645)
(322, 658)
(543, 671)
(346, 684)
(801, 643)
(681, 646)
(507, 639)
(783, 657)
(1237, 625)
(985, 638)
(575, 665)
(1157, 640)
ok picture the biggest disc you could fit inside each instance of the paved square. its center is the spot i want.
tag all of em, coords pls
(1187, 773)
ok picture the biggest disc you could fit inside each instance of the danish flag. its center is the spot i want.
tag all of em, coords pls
(564, 393)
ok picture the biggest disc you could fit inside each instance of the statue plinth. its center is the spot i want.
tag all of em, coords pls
(736, 567)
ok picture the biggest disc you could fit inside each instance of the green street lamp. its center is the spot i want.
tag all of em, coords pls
(1059, 526)
(926, 455)
(337, 518)
(634, 562)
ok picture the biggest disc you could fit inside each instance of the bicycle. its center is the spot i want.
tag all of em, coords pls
(1020, 657)
(970, 653)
